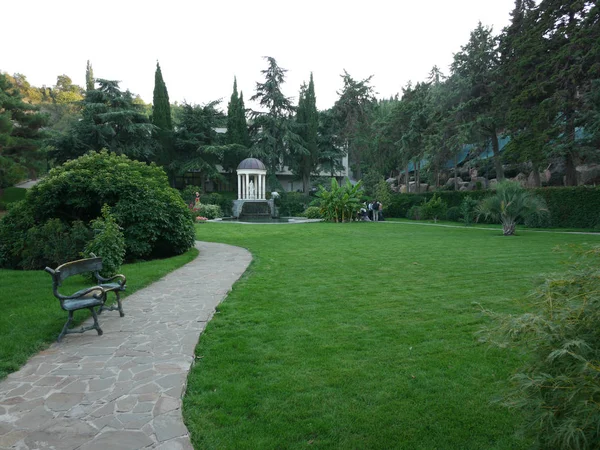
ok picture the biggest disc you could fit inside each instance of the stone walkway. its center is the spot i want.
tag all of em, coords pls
(122, 390)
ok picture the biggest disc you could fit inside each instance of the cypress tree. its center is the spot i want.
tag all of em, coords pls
(89, 77)
(161, 108)
(307, 118)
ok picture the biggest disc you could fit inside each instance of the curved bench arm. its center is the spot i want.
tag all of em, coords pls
(122, 278)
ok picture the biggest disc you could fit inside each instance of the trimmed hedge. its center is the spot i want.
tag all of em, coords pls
(570, 207)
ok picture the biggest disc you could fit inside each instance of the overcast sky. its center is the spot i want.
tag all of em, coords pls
(201, 45)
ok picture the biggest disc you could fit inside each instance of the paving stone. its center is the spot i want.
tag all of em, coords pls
(49, 381)
(176, 444)
(77, 387)
(63, 402)
(99, 385)
(118, 440)
(126, 404)
(166, 404)
(34, 419)
(10, 439)
(64, 434)
(169, 426)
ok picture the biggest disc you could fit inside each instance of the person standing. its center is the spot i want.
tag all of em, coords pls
(375, 211)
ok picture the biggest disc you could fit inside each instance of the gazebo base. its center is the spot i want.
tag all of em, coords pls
(254, 208)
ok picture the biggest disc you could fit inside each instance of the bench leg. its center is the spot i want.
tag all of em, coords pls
(113, 307)
(66, 327)
(96, 324)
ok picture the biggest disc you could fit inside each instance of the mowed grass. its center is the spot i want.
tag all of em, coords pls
(31, 316)
(363, 336)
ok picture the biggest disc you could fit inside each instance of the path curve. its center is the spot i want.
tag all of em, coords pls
(122, 390)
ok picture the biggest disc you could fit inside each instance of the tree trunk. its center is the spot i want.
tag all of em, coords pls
(417, 178)
(455, 173)
(497, 159)
(536, 176)
(406, 179)
(508, 228)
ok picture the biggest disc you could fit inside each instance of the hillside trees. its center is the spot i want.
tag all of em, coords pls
(21, 135)
(110, 119)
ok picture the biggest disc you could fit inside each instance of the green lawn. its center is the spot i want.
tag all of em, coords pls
(31, 316)
(362, 336)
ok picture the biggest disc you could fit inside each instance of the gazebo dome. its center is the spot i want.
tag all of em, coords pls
(252, 164)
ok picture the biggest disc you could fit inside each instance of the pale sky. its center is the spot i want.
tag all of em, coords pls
(201, 45)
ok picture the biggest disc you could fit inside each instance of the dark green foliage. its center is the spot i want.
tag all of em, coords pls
(352, 112)
(110, 119)
(572, 207)
(108, 243)
(558, 388)
(21, 134)
(53, 243)
(454, 214)
(305, 161)
(161, 108)
(154, 219)
(415, 213)
(291, 203)
(276, 138)
(237, 131)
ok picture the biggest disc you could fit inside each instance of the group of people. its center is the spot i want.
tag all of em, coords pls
(372, 211)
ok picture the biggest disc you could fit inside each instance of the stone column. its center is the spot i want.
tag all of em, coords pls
(258, 187)
(247, 192)
(239, 187)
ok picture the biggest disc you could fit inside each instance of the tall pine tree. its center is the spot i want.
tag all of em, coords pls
(237, 130)
(89, 77)
(161, 119)
(307, 118)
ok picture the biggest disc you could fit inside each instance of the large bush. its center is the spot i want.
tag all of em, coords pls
(154, 218)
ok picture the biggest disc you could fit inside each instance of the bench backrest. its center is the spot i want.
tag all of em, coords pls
(66, 270)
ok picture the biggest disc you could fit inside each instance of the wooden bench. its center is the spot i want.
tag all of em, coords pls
(89, 298)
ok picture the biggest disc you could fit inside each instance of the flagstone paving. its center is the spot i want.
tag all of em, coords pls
(122, 390)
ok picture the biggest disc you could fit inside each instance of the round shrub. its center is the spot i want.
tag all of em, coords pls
(453, 214)
(415, 213)
(152, 215)
(313, 212)
(208, 211)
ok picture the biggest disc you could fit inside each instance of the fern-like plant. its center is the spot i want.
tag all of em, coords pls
(559, 387)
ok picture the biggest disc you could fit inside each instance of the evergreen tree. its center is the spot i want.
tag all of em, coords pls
(110, 119)
(89, 77)
(161, 119)
(276, 137)
(477, 66)
(161, 108)
(307, 118)
(237, 130)
(20, 135)
(353, 114)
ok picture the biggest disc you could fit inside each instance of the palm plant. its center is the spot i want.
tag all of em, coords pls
(510, 204)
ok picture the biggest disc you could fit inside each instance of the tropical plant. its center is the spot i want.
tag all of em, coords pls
(510, 204)
(340, 203)
(559, 387)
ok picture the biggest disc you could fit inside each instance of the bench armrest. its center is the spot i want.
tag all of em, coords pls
(83, 293)
(122, 279)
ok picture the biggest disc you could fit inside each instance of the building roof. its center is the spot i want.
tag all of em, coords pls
(252, 163)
